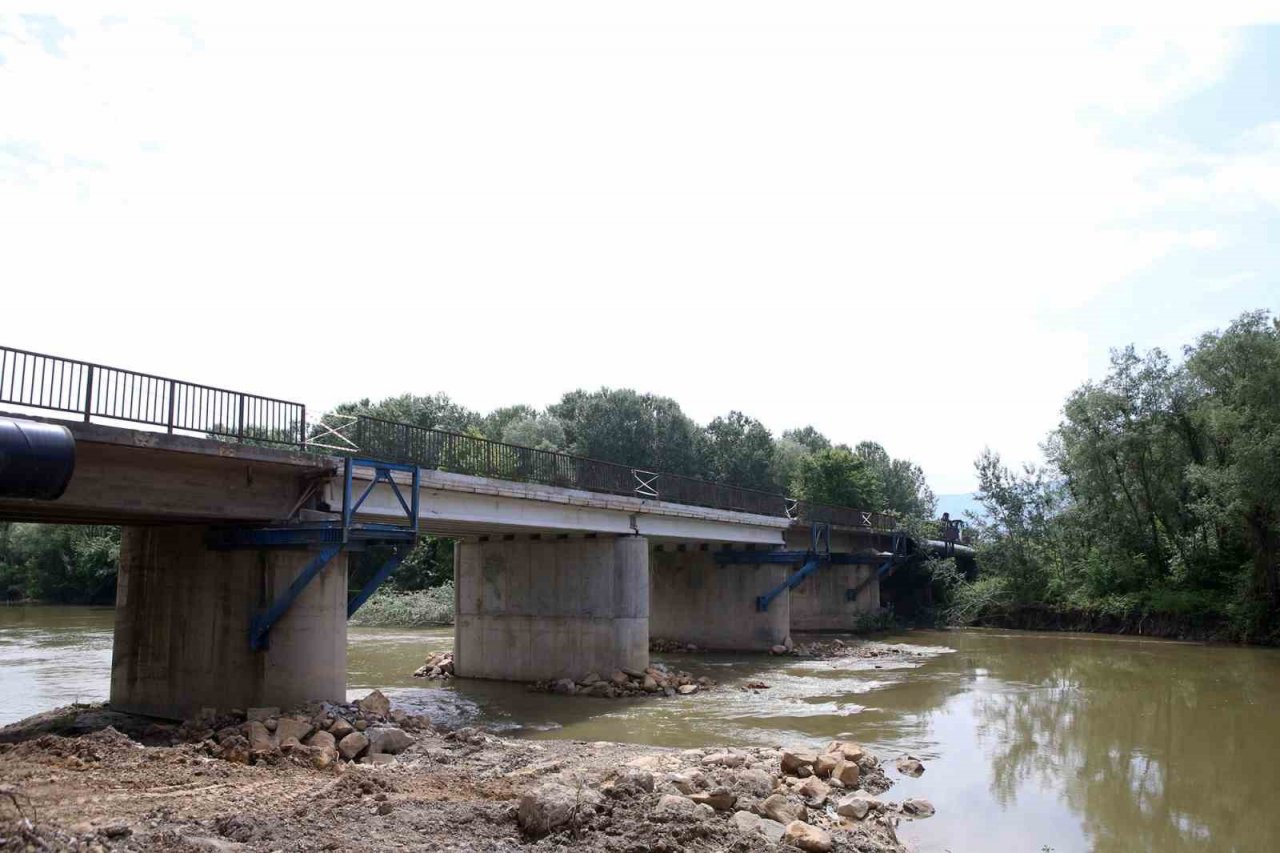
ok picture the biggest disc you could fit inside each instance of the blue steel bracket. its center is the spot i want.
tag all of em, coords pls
(747, 558)
(376, 581)
(260, 627)
(381, 474)
(763, 601)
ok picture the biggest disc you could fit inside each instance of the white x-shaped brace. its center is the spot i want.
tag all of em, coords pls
(327, 431)
(645, 481)
(792, 507)
(866, 519)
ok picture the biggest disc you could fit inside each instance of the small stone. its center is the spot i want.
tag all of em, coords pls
(385, 808)
(779, 808)
(352, 745)
(650, 684)
(673, 807)
(855, 806)
(619, 678)
(720, 798)
(703, 811)
(847, 750)
(846, 773)
(115, 830)
(687, 689)
(322, 740)
(749, 824)
(287, 728)
(384, 739)
(809, 838)
(591, 679)
(564, 686)
(375, 703)
(814, 791)
(552, 805)
(918, 808)
(261, 715)
(379, 758)
(909, 765)
(824, 765)
(793, 760)
(258, 736)
(341, 728)
(361, 725)
(271, 724)
(778, 650)
(757, 783)
(725, 759)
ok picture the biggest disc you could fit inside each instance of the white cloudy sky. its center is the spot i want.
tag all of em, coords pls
(922, 236)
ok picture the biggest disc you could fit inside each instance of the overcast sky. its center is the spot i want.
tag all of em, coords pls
(922, 237)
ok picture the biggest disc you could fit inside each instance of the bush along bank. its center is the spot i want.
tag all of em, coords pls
(1203, 627)
(421, 608)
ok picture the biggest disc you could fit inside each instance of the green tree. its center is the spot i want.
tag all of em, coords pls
(902, 483)
(740, 450)
(629, 428)
(837, 476)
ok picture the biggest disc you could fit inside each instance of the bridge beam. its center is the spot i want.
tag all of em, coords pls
(530, 609)
(183, 619)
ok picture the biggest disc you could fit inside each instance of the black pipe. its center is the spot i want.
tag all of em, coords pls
(36, 459)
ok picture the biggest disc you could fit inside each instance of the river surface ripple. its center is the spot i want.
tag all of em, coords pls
(1031, 741)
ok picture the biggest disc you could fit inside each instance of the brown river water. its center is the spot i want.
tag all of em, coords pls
(1065, 742)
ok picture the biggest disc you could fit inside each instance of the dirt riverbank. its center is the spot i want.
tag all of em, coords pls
(72, 780)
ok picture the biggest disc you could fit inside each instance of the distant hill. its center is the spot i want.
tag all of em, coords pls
(959, 504)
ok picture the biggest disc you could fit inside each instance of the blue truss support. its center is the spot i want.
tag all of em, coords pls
(261, 625)
(763, 601)
(381, 474)
(376, 581)
(886, 568)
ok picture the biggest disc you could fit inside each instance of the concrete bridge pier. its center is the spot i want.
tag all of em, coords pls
(183, 615)
(695, 600)
(821, 601)
(531, 608)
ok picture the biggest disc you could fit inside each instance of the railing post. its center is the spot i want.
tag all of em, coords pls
(408, 441)
(171, 403)
(88, 395)
(302, 429)
(240, 420)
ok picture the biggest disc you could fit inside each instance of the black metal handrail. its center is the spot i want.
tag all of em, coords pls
(468, 454)
(40, 381)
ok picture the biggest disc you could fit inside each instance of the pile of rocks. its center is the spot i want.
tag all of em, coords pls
(657, 644)
(654, 680)
(322, 734)
(805, 798)
(837, 648)
(438, 666)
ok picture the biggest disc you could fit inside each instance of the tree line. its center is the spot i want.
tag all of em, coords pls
(1158, 497)
(78, 565)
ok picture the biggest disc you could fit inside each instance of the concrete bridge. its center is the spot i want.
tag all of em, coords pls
(233, 590)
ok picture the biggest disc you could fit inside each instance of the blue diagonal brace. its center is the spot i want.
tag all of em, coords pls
(811, 566)
(261, 625)
(376, 581)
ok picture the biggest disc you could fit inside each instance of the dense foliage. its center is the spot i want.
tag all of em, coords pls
(1160, 494)
(57, 563)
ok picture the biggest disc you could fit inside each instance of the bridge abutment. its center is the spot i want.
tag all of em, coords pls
(695, 600)
(530, 609)
(183, 615)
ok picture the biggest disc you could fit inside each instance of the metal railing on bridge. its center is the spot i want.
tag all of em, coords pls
(45, 382)
(51, 383)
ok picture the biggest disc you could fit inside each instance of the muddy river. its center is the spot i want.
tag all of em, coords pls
(1032, 742)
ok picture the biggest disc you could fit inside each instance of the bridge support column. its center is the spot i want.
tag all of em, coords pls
(694, 600)
(821, 601)
(534, 609)
(182, 626)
